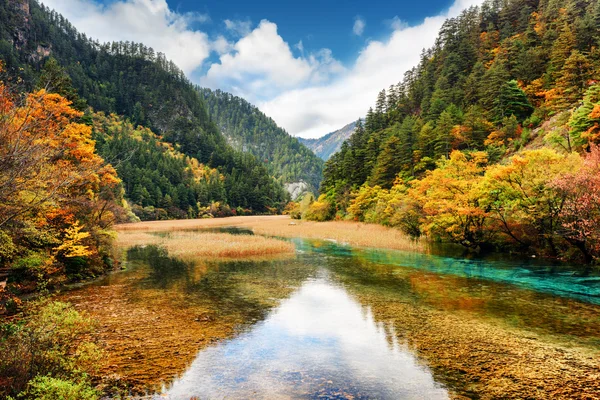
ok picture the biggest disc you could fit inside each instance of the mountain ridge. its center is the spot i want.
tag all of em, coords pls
(249, 129)
(329, 144)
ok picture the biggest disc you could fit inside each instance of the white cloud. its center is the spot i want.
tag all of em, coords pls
(319, 109)
(308, 95)
(359, 26)
(397, 24)
(238, 27)
(147, 21)
(221, 45)
(261, 65)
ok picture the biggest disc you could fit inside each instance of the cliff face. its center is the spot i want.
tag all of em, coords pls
(19, 31)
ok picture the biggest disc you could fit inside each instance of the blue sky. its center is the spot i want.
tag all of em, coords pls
(313, 66)
(318, 24)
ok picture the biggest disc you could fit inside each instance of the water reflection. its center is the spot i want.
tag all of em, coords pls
(318, 342)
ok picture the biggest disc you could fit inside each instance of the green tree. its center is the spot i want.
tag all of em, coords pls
(512, 100)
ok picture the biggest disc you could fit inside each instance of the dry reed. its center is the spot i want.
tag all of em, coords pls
(353, 233)
(209, 245)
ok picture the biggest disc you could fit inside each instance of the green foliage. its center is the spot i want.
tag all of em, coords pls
(248, 129)
(512, 101)
(47, 344)
(7, 247)
(586, 119)
(132, 80)
(48, 388)
(158, 180)
(495, 73)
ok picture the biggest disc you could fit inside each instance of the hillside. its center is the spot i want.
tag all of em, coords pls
(331, 143)
(448, 151)
(131, 80)
(248, 129)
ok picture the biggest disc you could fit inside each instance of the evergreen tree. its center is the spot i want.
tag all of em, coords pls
(512, 100)
(573, 80)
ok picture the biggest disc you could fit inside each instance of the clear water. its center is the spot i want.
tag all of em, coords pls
(542, 276)
(310, 331)
(320, 342)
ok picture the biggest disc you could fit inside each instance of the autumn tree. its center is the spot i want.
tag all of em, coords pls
(450, 198)
(519, 196)
(58, 198)
(580, 213)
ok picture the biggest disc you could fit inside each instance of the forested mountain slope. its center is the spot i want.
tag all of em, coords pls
(448, 151)
(131, 80)
(248, 129)
(331, 143)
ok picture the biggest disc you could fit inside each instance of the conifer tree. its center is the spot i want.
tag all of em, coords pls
(574, 78)
(512, 100)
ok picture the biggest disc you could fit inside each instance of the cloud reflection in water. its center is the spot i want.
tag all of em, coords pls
(319, 342)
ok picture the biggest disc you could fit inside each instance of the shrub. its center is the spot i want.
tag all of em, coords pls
(320, 210)
(47, 342)
(7, 248)
(48, 388)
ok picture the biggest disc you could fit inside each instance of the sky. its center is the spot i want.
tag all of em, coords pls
(312, 65)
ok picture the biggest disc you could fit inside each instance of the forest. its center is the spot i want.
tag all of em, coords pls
(248, 129)
(42, 49)
(490, 142)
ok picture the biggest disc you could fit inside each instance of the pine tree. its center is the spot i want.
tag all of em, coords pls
(388, 163)
(512, 100)
(573, 80)
(561, 50)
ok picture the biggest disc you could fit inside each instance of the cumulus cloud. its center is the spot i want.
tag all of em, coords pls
(147, 21)
(308, 95)
(359, 26)
(261, 65)
(319, 109)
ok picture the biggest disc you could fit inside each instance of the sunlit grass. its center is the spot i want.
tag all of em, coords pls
(353, 233)
(208, 244)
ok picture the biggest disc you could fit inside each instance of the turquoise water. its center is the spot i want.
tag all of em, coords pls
(560, 280)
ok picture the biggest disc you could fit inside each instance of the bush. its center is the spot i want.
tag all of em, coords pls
(7, 248)
(47, 342)
(29, 262)
(48, 388)
(293, 210)
(320, 210)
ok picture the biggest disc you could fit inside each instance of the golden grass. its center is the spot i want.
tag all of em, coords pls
(353, 233)
(208, 245)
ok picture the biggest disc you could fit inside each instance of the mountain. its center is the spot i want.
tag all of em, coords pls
(331, 143)
(248, 129)
(42, 49)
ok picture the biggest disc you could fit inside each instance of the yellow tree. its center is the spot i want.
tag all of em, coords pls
(51, 180)
(449, 196)
(520, 197)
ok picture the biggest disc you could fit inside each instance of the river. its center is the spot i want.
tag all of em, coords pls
(338, 322)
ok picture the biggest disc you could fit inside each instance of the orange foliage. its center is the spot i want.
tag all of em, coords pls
(52, 181)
